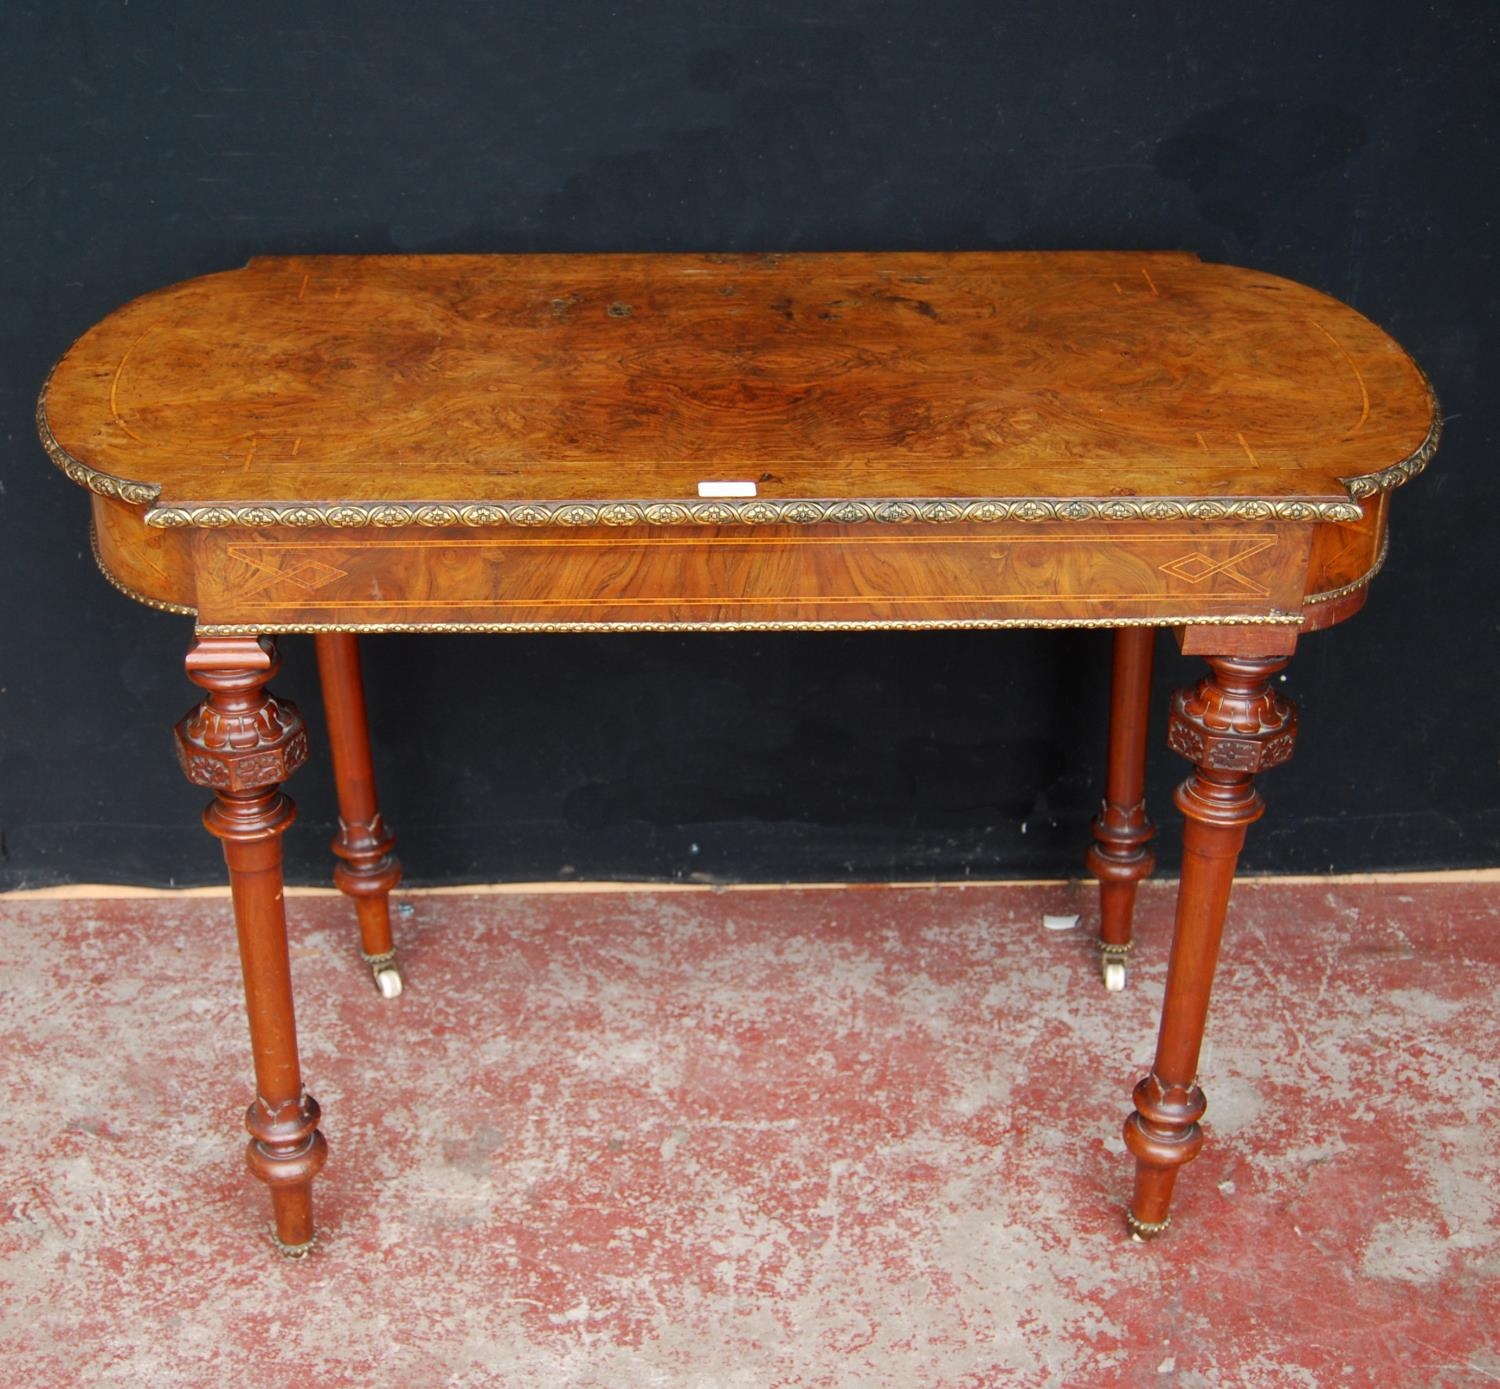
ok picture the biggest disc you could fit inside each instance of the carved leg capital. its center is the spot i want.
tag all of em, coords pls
(240, 739)
(1233, 721)
(1231, 725)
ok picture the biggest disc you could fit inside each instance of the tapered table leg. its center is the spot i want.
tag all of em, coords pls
(1230, 726)
(1121, 854)
(367, 870)
(243, 742)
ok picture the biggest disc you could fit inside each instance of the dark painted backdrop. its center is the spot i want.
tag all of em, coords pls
(1349, 145)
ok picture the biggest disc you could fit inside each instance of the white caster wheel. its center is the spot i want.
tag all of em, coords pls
(388, 981)
(1114, 976)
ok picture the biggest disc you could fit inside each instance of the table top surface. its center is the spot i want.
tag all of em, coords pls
(494, 389)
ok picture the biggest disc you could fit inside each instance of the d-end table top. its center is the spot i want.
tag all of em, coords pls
(487, 390)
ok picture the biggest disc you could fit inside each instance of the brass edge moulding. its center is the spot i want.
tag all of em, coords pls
(239, 629)
(1388, 479)
(160, 604)
(933, 511)
(105, 484)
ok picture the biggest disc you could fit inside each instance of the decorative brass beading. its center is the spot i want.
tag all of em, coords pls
(1388, 479)
(105, 484)
(932, 511)
(982, 624)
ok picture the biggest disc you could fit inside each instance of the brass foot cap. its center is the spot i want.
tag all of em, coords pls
(1145, 1229)
(293, 1251)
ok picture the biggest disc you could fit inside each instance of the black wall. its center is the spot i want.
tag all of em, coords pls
(1347, 145)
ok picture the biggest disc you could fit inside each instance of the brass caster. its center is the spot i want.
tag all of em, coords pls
(386, 975)
(388, 981)
(1112, 966)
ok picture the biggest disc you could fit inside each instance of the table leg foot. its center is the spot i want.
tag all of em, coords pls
(1230, 725)
(286, 1151)
(242, 742)
(1121, 855)
(1163, 1134)
(367, 870)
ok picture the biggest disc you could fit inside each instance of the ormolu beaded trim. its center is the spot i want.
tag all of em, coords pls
(1388, 479)
(933, 511)
(105, 484)
(253, 629)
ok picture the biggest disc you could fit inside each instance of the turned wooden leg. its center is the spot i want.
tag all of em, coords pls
(1230, 726)
(243, 742)
(1121, 854)
(367, 870)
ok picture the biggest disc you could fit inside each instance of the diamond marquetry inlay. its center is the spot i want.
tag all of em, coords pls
(1195, 567)
(307, 574)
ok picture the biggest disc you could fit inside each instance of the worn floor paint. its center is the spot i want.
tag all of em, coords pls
(800, 1138)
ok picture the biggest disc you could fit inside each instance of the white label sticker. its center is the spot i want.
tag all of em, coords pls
(726, 489)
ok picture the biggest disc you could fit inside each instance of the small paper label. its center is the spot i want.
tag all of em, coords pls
(726, 489)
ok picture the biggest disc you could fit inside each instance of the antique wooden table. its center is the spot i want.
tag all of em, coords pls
(339, 445)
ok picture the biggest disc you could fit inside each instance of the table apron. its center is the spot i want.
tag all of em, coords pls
(1021, 574)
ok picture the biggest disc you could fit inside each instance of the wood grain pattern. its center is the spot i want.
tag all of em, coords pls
(635, 577)
(313, 390)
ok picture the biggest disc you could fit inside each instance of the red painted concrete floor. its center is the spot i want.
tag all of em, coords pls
(763, 1138)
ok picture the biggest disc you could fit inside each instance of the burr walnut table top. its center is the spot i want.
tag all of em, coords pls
(836, 396)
